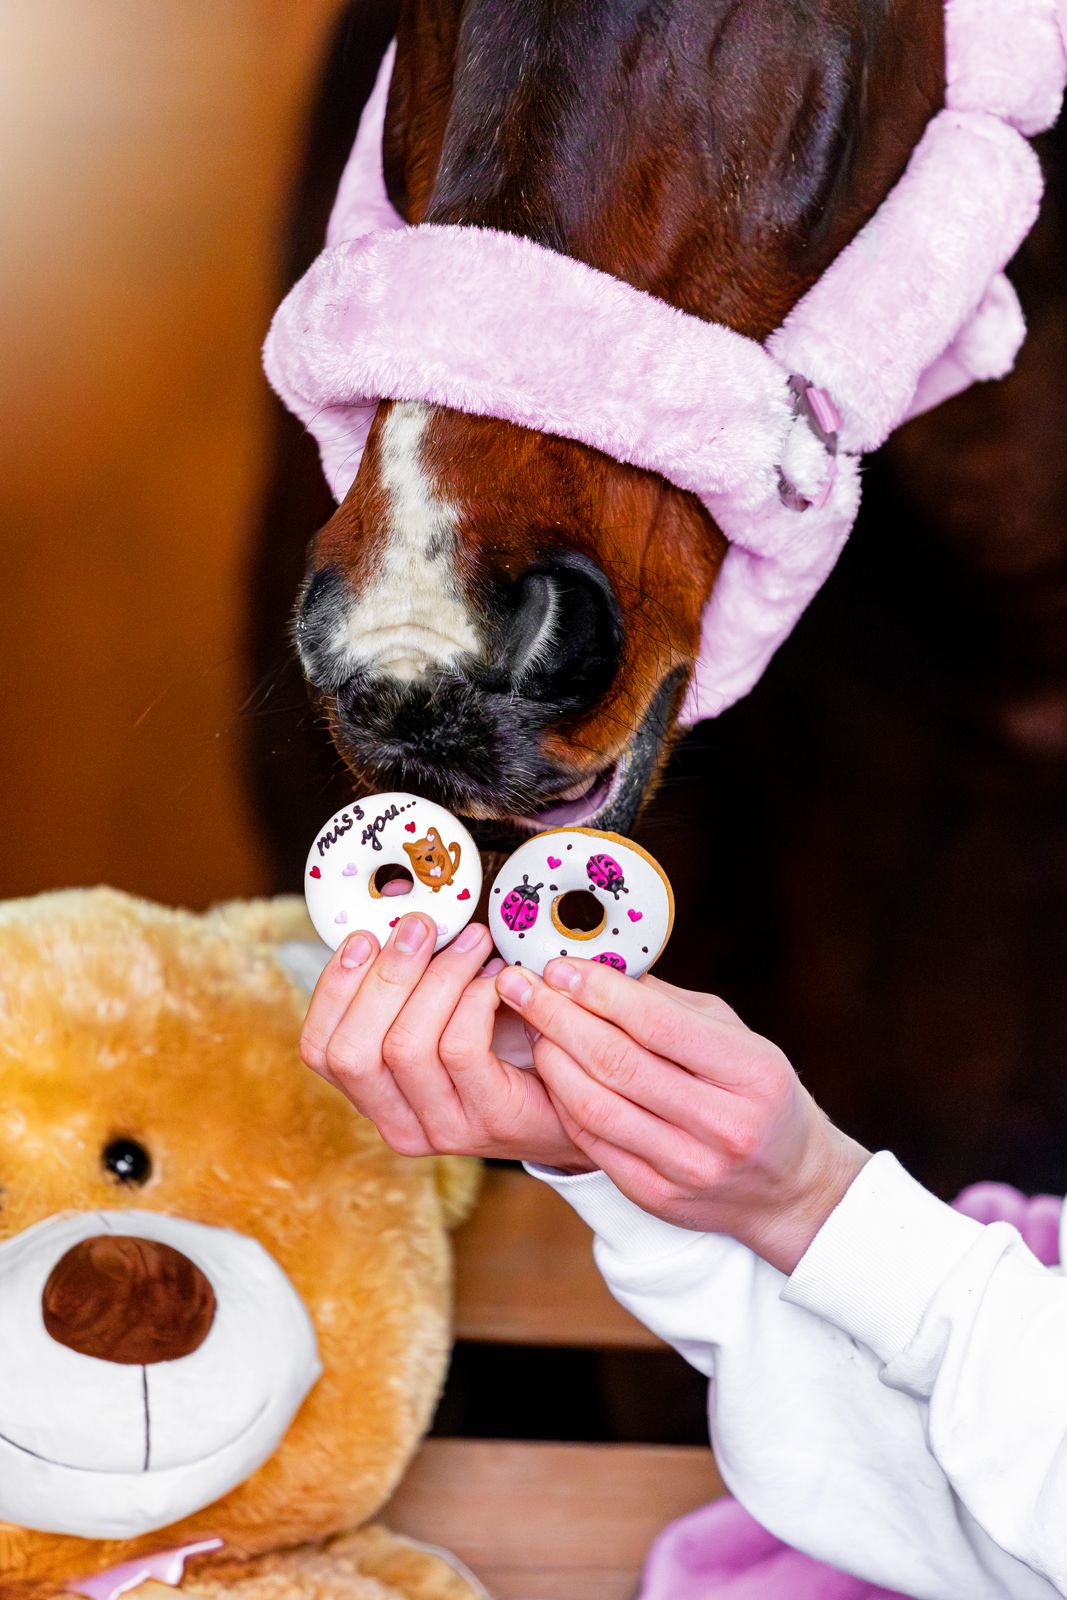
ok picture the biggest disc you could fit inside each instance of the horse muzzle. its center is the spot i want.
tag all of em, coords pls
(521, 732)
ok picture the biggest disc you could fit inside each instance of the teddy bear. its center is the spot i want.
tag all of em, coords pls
(224, 1302)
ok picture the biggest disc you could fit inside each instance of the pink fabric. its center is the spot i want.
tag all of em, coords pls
(168, 1566)
(721, 1553)
(1005, 57)
(898, 297)
(914, 310)
(980, 350)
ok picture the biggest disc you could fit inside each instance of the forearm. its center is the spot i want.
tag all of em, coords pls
(964, 1319)
(794, 1207)
(820, 1451)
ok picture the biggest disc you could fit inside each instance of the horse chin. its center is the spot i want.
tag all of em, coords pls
(612, 799)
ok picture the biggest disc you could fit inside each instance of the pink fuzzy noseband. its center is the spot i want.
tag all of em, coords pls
(768, 436)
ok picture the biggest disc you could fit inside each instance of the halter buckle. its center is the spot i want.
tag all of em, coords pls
(820, 413)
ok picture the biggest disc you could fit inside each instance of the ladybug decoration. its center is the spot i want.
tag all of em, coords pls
(521, 905)
(604, 873)
(609, 958)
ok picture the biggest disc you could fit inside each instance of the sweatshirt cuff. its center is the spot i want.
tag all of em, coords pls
(880, 1257)
(622, 1226)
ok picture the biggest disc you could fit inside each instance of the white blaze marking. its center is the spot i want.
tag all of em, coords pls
(411, 615)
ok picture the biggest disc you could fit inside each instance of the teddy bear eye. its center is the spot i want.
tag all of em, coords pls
(127, 1161)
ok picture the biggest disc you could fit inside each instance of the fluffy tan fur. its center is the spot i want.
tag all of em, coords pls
(120, 1017)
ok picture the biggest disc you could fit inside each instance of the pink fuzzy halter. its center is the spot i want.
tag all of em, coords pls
(770, 436)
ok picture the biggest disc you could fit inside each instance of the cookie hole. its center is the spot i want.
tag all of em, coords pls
(579, 914)
(390, 879)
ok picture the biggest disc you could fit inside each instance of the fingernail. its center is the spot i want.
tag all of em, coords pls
(532, 1034)
(355, 950)
(515, 987)
(561, 975)
(491, 968)
(411, 935)
(472, 935)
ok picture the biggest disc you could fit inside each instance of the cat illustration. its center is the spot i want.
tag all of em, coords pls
(432, 862)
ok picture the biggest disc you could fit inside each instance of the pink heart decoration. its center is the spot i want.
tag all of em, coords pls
(635, 916)
(351, 871)
(394, 922)
(342, 916)
(554, 862)
(464, 894)
(315, 873)
(409, 827)
(441, 928)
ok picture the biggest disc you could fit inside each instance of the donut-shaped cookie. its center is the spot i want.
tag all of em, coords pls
(534, 915)
(343, 879)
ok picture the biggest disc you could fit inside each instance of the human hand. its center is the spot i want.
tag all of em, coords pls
(407, 1036)
(696, 1119)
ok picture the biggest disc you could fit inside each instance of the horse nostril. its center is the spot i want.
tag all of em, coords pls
(563, 632)
(126, 1300)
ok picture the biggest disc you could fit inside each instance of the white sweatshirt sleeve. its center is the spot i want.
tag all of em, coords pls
(897, 1408)
(979, 1338)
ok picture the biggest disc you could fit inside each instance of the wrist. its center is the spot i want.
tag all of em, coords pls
(830, 1165)
(555, 1156)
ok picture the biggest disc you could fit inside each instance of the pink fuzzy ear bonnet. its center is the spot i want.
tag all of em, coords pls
(770, 437)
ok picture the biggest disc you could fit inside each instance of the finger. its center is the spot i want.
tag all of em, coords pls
(709, 1005)
(467, 1040)
(337, 987)
(380, 1101)
(479, 1076)
(354, 1051)
(603, 1115)
(628, 1172)
(387, 987)
(412, 1047)
(695, 1100)
(704, 1043)
(504, 1103)
(612, 1058)
(716, 1118)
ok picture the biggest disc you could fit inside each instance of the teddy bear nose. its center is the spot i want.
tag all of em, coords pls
(128, 1300)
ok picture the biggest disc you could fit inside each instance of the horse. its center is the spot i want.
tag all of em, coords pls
(493, 616)
(517, 611)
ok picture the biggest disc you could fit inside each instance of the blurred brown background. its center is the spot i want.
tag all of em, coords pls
(149, 146)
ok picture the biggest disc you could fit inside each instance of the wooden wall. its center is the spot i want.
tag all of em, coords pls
(148, 148)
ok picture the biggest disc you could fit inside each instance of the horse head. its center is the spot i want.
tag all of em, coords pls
(495, 616)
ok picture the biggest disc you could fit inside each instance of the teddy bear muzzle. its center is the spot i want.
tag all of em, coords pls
(151, 1364)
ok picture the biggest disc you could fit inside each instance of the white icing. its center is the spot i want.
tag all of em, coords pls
(373, 833)
(638, 911)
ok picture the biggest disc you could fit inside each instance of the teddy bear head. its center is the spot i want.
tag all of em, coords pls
(223, 1300)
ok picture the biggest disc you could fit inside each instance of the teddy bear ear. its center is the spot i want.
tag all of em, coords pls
(277, 921)
(458, 1180)
(283, 925)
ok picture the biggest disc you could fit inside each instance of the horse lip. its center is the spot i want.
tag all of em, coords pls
(616, 798)
(574, 806)
(583, 789)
